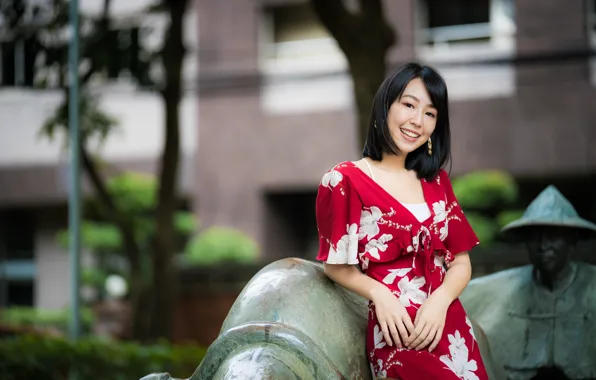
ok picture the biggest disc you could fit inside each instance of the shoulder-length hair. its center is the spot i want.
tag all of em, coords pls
(379, 140)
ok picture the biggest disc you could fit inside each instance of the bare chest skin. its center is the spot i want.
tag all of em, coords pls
(403, 186)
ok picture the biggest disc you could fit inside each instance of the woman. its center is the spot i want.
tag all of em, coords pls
(392, 231)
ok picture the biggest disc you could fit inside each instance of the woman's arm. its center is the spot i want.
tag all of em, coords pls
(430, 319)
(459, 273)
(392, 315)
(351, 278)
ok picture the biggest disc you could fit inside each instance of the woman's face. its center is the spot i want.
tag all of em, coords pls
(412, 118)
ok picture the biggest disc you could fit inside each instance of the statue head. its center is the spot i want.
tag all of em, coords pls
(550, 228)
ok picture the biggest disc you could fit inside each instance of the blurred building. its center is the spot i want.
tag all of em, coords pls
(276, 104)
(34, 171)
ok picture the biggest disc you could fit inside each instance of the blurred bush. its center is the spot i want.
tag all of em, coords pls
(484, 190)
(134, 195)
(219, 245)
(486, 197)
(40, 319)
(50, 358)
(508, 216)
(485, 228)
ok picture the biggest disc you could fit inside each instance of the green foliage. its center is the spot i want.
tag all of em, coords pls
(46, 358)
(508, 216)
(485, 190)
(94, 123)
(134, 195)
(221, 244)
(485, 228)
(42, 319)
(486, 197)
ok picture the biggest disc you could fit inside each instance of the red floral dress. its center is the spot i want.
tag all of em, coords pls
(360, 223)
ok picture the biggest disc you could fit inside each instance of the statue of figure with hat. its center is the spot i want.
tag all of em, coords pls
(539, 319)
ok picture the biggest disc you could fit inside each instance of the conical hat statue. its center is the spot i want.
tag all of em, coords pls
(551, 208)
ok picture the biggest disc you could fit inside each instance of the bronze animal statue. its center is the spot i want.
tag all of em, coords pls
(292, 322)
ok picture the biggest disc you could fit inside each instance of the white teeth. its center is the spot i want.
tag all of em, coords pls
(408, 133)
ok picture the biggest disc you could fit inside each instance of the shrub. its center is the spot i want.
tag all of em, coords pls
(485, 228)
(49, 358)
(28, 317)
(485, 190)
(221, 244)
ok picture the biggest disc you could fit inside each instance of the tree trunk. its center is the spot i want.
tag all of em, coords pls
(364, 37)
(137, 293)
(164, 276)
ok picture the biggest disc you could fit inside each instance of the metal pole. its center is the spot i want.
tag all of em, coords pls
(74, 195)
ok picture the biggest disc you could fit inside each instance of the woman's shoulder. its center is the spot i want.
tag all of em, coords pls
(342, 172)
(346, 168)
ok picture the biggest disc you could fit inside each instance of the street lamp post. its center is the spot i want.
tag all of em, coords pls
(74, 194)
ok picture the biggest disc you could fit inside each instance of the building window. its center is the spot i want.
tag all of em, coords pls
(297, 56)
(468, 31)
(17, 257)
(18, 62)
(447, 25)
(293, 30)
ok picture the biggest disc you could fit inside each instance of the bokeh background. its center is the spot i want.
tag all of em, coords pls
(206, 126)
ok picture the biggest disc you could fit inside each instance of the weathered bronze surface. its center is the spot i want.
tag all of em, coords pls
(539, 319)
(292, 322)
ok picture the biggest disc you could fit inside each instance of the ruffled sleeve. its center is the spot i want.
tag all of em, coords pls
(338, 209)
(460, 235)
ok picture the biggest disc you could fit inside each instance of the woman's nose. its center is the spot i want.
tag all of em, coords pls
(416, 120)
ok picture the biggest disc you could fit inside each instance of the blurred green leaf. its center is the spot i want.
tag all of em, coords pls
(221, 244)
(508, 216)
(51, 358)
(485, 228)
(485, 190)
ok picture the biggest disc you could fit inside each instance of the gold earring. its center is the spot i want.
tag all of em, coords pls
(430, 147)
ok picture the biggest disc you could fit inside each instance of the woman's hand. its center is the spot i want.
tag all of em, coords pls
(429, 322)
(392, 316)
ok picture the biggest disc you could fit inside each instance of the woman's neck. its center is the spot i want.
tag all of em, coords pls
(393, 162)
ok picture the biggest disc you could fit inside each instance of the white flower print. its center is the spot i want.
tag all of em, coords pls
(444, 231)
(375, 245)
(439, 261)
(415, 245)
(369, 223)
(332, 177)
(410, 292)
(469, 323)
(381, 373)
(457, 361)
(378, 337)
(347, 247)
(395, 273)
(439, 211)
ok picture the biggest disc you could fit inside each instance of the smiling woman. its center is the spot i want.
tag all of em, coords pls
(391, 230)
(411, 110)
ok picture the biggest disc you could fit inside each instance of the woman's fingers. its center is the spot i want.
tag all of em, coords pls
(394, 333)
(403, 332)
(437, 339)
(408, 323)
(416, 334)
(430, 333)
(385, 331)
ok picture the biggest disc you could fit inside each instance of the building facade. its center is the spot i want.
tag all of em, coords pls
(34, 268)
(276, 105)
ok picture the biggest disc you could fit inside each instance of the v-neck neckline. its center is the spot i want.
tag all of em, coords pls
(423, 184)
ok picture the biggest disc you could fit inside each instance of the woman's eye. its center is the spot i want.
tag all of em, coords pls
(431, 114)
(409, 105)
